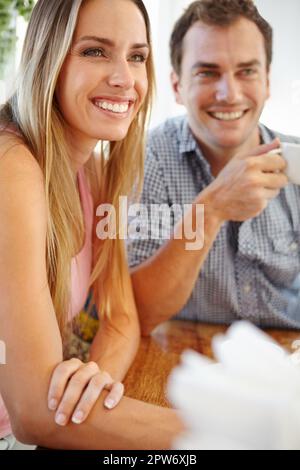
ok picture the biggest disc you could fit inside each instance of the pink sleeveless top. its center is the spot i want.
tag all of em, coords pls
(81, 266)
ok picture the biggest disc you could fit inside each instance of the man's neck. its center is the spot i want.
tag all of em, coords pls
(218, 158)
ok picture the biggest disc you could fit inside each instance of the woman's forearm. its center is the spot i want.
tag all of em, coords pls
(114, 350)
(118, 337)
(131, 425)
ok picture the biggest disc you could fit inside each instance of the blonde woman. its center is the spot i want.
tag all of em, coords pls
(86, 75)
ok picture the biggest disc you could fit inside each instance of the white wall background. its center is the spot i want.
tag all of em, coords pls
(283, 109)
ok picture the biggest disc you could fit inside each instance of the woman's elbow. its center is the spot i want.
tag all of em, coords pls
(32, 427)
(23, 433)
(31, 420)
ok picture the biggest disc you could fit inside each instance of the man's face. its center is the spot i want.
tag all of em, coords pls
(223, 83)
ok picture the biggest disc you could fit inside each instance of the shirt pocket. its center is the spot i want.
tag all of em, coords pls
(287, 244)
(282, 262)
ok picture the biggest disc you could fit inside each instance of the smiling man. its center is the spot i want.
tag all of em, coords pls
(217, 155)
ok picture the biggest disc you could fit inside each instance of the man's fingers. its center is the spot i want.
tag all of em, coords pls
(274, 181)
(261, 149)
(271, 163)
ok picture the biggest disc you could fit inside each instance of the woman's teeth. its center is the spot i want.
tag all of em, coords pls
(115, 108)
(228, 116)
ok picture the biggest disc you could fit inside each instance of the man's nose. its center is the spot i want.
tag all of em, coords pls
(120, 75)
(228, 89)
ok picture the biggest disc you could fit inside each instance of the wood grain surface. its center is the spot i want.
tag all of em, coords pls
(159, 353)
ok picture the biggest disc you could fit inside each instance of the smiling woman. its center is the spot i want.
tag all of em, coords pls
(86, 76)
(103, 82)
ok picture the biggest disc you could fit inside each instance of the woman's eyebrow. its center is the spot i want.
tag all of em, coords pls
(110, 43)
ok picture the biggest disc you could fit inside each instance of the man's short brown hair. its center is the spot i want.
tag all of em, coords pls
(217, 13)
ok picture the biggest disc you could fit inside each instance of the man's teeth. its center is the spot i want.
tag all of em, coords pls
(228, 116)
(115, 108)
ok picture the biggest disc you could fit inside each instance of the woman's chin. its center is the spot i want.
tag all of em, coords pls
(114, 136)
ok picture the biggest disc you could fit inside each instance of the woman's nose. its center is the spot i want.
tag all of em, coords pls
(121, 75)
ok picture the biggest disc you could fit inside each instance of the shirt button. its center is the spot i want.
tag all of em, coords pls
(294, 246)
(247, 288)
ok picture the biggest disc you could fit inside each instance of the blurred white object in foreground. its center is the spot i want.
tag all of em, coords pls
(250, 399)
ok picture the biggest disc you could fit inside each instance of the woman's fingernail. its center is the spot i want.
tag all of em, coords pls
(60, 419)
(110, 403)
(52, 404)
(77, 417)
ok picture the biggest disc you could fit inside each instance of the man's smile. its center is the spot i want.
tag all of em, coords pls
(227, 116)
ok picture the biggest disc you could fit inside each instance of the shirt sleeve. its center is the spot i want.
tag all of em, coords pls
(149, 222)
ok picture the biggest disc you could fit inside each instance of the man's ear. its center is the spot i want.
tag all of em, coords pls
(175, 80)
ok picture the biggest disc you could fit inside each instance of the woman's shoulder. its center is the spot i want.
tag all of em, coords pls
(22, 186)
(8, 139)
(15, 156)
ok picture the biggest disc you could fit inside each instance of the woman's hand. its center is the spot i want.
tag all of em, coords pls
(75, 388)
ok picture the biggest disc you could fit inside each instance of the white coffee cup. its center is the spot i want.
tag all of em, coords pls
(291, 154)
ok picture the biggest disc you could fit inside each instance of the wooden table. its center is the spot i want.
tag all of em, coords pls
(158, 354)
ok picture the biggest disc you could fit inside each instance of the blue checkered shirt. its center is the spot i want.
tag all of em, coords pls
(252, 271)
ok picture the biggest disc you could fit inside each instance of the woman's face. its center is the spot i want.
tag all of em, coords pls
(103, 81)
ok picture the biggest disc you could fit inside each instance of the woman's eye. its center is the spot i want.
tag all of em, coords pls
(138, 58)
(95, 52)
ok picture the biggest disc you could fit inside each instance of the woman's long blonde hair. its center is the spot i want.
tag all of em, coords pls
(34, 111)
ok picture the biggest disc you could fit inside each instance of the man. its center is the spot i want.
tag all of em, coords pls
(218, 156)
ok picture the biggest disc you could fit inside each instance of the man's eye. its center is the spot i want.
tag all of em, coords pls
(95, 52)
(248, 72)
(138, 58)
(205, 74)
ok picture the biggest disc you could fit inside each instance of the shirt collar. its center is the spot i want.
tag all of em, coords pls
(265, 136)
(189, 147)
(187, 142)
